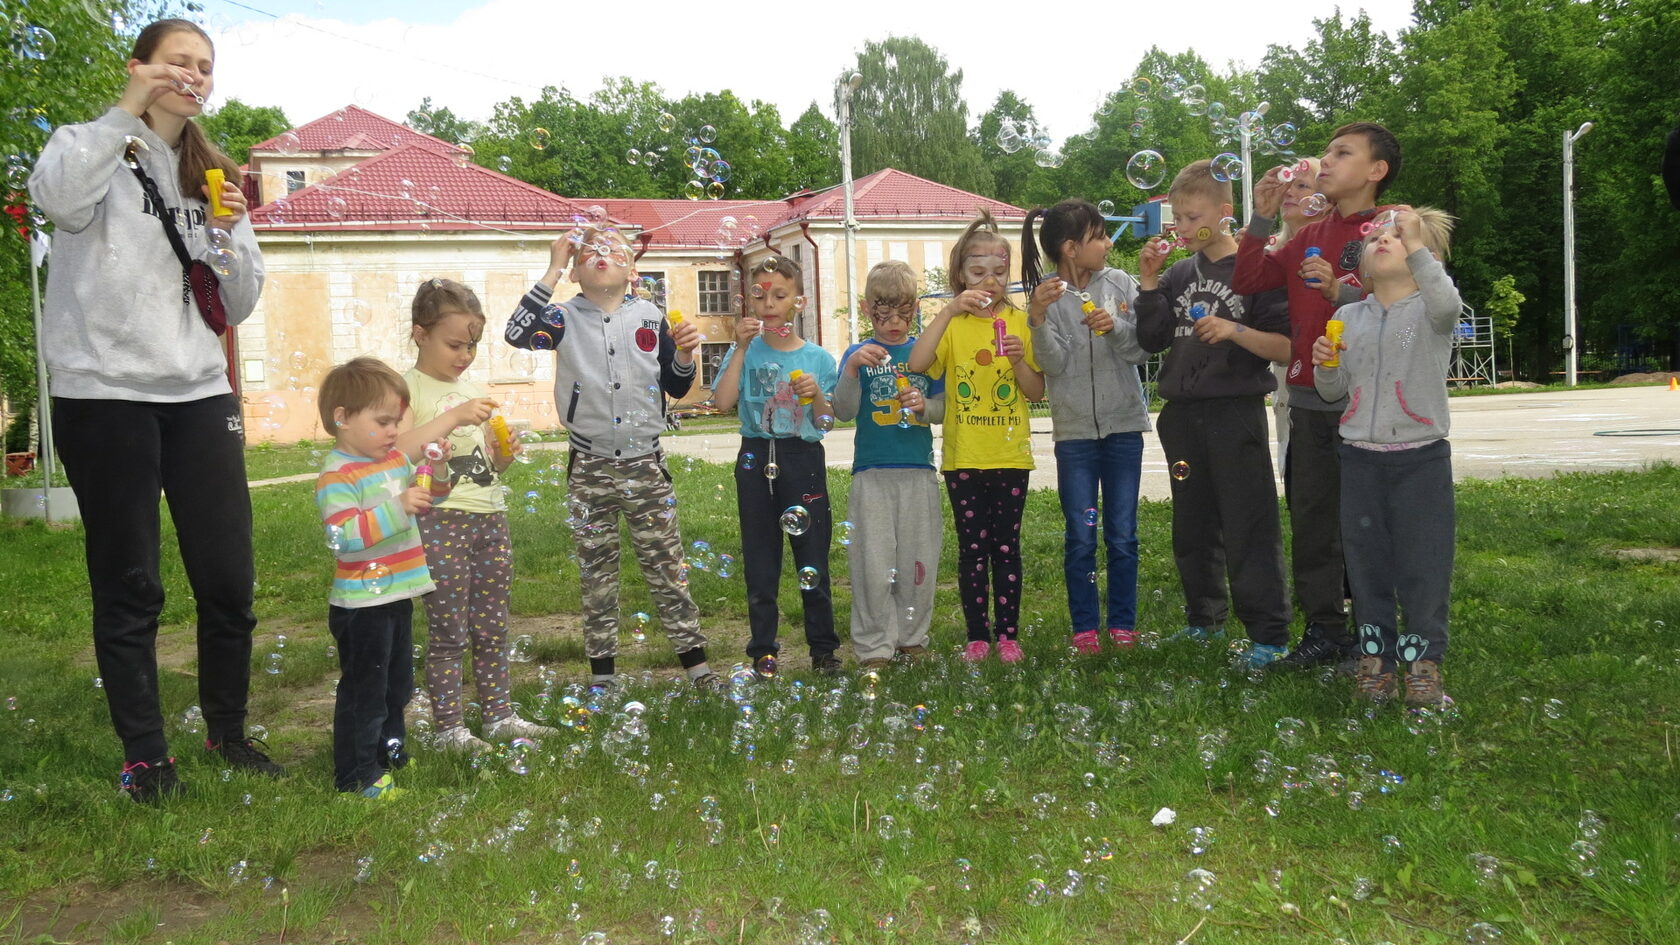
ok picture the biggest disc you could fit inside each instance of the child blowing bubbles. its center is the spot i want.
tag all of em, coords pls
(615, 361)
(1397, 486)
(894, 500)
(781, 382)
(466, 534)
(978, 338)
(369, 502)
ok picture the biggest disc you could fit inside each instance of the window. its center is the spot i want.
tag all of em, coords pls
(294, 181)
(714, 294)
(711, 362)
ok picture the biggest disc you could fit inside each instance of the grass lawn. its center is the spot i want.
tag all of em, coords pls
(935, 804)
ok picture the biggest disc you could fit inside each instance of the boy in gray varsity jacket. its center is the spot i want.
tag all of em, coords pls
(1397, 487)
(616, 361)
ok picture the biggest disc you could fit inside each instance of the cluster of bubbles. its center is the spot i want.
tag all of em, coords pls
(1012, 136)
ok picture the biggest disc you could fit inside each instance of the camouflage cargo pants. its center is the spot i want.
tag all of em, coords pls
(639, 489)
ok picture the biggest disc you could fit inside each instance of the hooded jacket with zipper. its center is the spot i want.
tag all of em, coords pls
(1093, 379)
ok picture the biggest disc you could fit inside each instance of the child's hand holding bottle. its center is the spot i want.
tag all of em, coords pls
(472, 413)
(1044, 295)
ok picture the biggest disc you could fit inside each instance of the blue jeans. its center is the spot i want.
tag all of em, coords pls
(375, 682)
(1115, 463)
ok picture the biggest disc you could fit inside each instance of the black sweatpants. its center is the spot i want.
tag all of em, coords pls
(801, 480)
(120, 455)
(987, 506)
(1312, 482)
(376, 680)
(1225, 514)
(1398, 525)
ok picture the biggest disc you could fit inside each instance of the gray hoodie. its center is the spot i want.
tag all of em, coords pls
(117, 321)
(1093, 380)
(1394, 371)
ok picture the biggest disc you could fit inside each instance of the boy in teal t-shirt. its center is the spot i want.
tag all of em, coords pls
(894, 502)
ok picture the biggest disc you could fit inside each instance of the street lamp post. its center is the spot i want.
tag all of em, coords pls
(847, 85)
(1570, 348)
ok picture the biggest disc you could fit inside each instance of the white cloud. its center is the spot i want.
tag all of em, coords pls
(782, 54)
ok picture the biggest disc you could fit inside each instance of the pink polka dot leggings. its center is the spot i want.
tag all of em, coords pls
(987, 505)
(471, 560)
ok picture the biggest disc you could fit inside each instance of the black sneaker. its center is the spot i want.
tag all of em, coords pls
(1315, 649)
(246, 755)
(827, 664)
(149, 783)
(764, 667)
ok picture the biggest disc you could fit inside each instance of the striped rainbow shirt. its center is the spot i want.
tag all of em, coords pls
(380, 556)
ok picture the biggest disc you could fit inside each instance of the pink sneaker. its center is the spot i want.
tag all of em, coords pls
(1085, 641)
(1123, 637)
(976, 651)
(1009, 651)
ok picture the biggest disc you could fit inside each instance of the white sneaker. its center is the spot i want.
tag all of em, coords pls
(515, 727)
(458, 739)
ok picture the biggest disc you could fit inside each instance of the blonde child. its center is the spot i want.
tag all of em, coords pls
(466, 534)
(1398, 516)
(369, 502)
(782, 383)
(1085, 336)
(894, 501)
(616, 360)
(980, 345)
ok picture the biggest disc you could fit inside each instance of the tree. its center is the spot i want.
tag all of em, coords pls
(813, 146)
(909, 113)
(440, 122)
(1009, 171)
(236, 126)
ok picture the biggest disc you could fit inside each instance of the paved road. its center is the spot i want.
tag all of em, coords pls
(1492, 436)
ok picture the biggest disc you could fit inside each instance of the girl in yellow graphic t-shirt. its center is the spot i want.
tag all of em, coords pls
(981, 346)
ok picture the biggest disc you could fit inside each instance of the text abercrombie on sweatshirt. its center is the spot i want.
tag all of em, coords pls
(117, 322)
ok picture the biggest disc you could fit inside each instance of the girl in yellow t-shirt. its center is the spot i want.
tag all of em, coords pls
(466, 535)
(981, 341)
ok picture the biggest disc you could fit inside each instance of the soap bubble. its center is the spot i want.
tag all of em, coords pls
(666, 122)
(1146, 170)
(289, 143)
(1194, 98)
(796, 520)
(1135, 129)
(1199, 889)
(34, 42)
(1283, 135)
(1090, 516)
(1181, 470)
(694, 190)
(504, 164)
(376, 579)
(1141, 114)
(639, 623)
(1228, 167)
(542, 341)
(633, 156)
(843, 533)
(1049, 158)
(824, 423)
(748, 461)
(1314, 204)
(809, 578)
(721, 171)
(1105, 207)
(1142, 85)
(223, 260)
(539, 138)
(519, 650)
(1199, 840)
(707, 134)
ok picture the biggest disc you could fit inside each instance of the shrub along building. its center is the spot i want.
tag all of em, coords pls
(356, 210)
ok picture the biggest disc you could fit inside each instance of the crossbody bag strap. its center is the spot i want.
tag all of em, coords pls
(132, 159)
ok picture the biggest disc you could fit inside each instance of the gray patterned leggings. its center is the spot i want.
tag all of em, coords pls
(471, 560)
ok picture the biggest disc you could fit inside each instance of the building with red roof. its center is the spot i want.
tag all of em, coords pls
(357, 210)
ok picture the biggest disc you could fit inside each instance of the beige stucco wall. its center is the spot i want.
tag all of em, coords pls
(270, 168)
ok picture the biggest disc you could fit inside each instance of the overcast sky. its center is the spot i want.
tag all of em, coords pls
(312, 58)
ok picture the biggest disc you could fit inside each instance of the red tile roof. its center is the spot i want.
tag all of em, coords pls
(893, 194)
(355, 129)
(695, 223)
(415, 187)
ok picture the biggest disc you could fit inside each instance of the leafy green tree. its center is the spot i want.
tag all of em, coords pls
(813, 146)
(236, 126)
(1009, 170)
(440, 122)
(909, 113)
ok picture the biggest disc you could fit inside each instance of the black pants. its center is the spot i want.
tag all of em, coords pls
(987, 506)
(1225, 514)
(1398, 522)
(376, 678)
(1312, 478)
(120, 455)
(802, 480)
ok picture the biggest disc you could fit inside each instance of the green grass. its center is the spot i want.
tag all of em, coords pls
(1025, 773)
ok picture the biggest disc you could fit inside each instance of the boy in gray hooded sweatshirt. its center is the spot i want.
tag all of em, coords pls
(1398, 517)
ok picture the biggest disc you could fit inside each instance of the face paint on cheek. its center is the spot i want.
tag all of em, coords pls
(1204, 234)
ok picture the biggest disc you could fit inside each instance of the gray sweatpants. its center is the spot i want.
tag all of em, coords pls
(896, 537)
(1398, 525)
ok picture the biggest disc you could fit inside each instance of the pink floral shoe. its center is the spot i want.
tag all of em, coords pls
(1123, 637)
(976, 651)
(1009, 651)
(1085, 641)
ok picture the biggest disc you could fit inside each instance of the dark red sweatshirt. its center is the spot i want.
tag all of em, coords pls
(1339, 240)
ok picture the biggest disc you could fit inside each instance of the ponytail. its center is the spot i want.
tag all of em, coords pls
(199, 155)
(983, 229)
(1030, 274)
